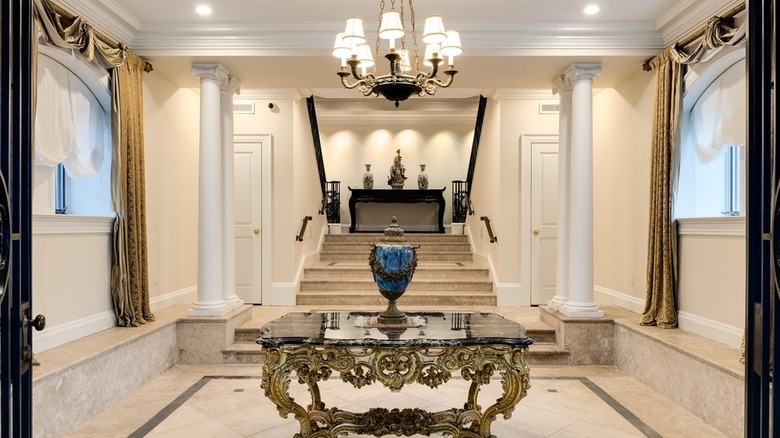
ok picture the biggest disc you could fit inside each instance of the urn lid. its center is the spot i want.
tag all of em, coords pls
(394, 233)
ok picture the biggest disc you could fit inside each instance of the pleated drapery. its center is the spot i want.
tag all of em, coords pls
(660, 304)
(129, 278)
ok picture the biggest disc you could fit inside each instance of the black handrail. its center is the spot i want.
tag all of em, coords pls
(493, 239)
(315, 136)
(299, 237)
(475, 143)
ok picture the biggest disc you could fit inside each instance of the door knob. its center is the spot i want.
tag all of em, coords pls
(39, 323)
(536, 232)
(256, 231)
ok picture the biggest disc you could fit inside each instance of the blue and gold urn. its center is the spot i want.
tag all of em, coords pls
(392, 262)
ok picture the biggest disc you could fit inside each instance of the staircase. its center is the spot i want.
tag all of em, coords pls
(544, 351)
(446, 273)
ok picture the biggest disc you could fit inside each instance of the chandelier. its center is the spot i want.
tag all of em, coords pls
(400, 83)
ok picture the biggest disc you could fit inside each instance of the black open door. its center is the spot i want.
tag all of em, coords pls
(16, 121)
(763, 223)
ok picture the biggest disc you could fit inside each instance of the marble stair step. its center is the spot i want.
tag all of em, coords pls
(364, 247)
(419, 284)
(411, 238)
(411, 298)
(362, 270)
(343, 256)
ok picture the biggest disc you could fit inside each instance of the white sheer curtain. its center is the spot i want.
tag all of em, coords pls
(71, 126)
(718, 117)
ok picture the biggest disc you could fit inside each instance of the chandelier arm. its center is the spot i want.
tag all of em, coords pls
(363, 82)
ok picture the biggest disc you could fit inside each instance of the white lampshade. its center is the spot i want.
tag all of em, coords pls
(434, 30)
(405, 64)
(340, 48)
(391, 27)
(431, 52)
(452, 46)
(365, 56)
(354, 35)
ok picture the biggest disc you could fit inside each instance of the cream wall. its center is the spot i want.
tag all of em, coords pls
(444, 149)
(711, 270)
(622, 118)
(497, 186)
(307, 191)
(171, 137)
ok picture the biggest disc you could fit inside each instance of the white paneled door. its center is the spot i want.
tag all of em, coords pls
(544, 220)
(247, 207)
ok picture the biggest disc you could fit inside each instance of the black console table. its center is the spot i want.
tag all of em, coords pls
(400, 196)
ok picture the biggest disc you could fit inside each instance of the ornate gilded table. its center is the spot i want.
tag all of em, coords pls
(426, 349)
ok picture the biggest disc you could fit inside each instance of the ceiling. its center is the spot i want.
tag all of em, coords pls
(286, 44)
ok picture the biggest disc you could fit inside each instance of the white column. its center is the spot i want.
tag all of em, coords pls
(210, 299)
(563, 87)
(580, 303)
(228, 88)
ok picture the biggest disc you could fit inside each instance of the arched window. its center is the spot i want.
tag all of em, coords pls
(711, 159)
(72, 136)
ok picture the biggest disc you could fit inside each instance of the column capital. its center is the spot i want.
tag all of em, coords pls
(210, 71)
(583, 71)
(562, 84)
(231, 84)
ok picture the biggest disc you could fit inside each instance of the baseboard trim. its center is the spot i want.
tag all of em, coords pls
(73, 330)
(717, 331)
(281, 294)
(710, 329)
(604, 295)
(188, 295)
(509, 295)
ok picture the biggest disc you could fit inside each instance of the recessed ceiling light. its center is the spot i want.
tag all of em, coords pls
(591, 9)
(203, 10)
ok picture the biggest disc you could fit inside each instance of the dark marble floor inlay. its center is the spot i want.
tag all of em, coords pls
(197, 386)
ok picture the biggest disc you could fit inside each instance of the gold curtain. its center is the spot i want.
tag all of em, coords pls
(129, 275)
(660, 307)
(659, 302)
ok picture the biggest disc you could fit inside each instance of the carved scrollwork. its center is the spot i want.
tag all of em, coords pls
(394, 367)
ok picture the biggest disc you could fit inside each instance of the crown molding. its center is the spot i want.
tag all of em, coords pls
(524, 94)
(106, 16)
(391, 118)
(272, 93)
(690, 15)
(314, 39)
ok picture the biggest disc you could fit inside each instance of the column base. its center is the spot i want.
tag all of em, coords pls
(581, 310)
(218, 308)
(234, 302)
(557, 302)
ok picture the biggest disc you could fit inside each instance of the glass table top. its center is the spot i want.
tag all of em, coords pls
(422, 329)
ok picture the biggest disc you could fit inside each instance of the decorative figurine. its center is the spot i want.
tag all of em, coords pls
(397, 170)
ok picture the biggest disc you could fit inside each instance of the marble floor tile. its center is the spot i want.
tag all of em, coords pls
(563, 402)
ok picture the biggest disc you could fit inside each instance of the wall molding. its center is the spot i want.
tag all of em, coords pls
(733, 226)
(71, 224)
(185, 296)
(280, 294)
(604, 295)
(709, 328)
(70, 331)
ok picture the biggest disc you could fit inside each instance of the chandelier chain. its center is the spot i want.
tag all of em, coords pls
(378, 28)
(403, 38)
(414, 37)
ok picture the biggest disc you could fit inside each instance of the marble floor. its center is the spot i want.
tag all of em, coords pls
(226, 401)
